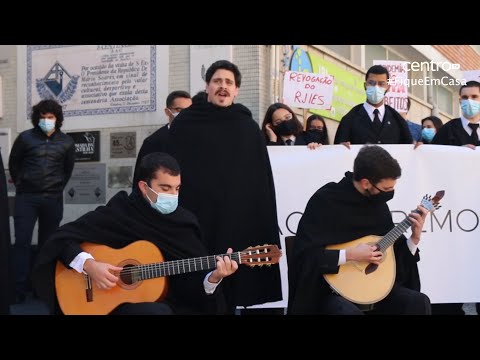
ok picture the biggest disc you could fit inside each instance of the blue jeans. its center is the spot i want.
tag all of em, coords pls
(28, 208)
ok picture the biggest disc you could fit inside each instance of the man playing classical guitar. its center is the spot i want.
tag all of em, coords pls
(342, 212)
(151, 214)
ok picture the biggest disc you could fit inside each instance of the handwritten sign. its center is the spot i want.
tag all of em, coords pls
(397, 95)
(307, 90)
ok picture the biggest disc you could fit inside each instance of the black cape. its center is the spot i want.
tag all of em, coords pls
(122, 221)
(227, 183)
(335, 214)
(153, 143)
(4, 244)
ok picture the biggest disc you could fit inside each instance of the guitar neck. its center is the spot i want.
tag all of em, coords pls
(175, 267)
(393, 235)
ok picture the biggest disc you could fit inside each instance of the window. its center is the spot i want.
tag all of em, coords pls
(342, 50)
(444, 100)
(374, 52)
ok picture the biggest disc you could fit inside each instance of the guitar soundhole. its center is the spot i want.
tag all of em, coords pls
(370, 268)
(126, 275)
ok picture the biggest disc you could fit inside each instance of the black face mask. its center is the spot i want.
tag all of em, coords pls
(316, 135)
(382, 196)
(286, 128)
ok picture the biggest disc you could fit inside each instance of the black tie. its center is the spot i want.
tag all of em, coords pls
(474, 135)
(289, 141)
(377, 124)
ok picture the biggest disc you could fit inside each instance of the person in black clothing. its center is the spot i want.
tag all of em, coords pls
(227, 181)
(373, 122)
(176, 102)
(316, 130)
(4, 244)
(282, 127)
(463, 131)
(41, 163)
(341, 212)
(150, 214)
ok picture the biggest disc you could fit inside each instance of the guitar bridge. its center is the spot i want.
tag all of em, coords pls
(88, 287)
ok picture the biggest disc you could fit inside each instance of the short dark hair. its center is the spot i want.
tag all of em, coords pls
(375, 164)
(176, 94)
(377, 70)
(471, 83)
(437, 122)
(200, 96)
(268, 119)
(155, 161)
(47, 106)
(225, 65)
(325, 130)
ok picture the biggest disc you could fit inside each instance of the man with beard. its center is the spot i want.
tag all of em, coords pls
(151, 213)
(227, 181)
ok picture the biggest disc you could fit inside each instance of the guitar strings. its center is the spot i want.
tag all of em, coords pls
(201, 262)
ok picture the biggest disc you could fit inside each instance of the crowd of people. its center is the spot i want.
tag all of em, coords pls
(203, 185)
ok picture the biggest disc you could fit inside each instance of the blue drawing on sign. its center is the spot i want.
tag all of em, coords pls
(301, 61)
(57, 84)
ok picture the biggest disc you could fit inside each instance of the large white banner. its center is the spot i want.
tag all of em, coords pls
(449, 266)
(93, 79)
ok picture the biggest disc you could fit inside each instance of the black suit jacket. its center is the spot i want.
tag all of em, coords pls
(357, 127)
(452, 133)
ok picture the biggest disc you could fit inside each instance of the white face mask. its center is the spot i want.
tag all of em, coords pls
(174, 114)
(47, 125)
(165, 204)
(375, 94)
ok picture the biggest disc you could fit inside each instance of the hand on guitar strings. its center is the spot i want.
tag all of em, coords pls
(418, 220)
(225, 267)
(364, 252)
(102, 274)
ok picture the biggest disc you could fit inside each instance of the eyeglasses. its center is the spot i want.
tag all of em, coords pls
(374, 83)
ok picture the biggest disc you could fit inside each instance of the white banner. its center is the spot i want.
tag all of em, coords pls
(450, 244)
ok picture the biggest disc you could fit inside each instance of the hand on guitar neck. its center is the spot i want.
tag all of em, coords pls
(225, 267)
(417, 218)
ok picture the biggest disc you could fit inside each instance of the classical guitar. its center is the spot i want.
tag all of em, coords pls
(141, 261)
(368, 283)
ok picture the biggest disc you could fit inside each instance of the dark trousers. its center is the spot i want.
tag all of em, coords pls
(28, 208)
(400, 301)
(145, 308)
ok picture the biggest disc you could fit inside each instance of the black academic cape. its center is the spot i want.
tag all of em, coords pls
(357, 128)
(122, 221)
(153, 143)
(227, 183)
(4, 244)
(335, 214)
(452, 133)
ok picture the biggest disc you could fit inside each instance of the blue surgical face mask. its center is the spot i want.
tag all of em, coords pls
(166, 203)
(47, 125)
(428, 133)
(470, 108)
(375, 94)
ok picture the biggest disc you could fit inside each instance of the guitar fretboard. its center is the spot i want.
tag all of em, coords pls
(176, 267)
(392, 236)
